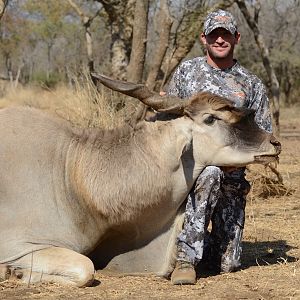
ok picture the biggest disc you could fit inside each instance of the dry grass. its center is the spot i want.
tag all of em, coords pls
(82, 104)
(266, 183)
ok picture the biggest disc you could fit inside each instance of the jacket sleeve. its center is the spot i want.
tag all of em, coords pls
(174, 85)
(260, 103)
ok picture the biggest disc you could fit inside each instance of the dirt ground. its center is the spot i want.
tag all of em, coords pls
(271, 247)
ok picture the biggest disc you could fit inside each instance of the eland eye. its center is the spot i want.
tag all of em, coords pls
(209, 120)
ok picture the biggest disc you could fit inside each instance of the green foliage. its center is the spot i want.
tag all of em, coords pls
(48, 18)
(12, 32)
(47, 81)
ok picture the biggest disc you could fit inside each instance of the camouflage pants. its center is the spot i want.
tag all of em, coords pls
(220, 198)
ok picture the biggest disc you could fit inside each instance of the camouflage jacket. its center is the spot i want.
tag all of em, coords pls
(235, 83)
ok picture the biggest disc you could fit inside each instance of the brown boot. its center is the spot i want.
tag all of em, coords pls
(184, 273)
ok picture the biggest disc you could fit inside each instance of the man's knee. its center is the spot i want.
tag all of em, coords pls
(210, 174)
(212, 170)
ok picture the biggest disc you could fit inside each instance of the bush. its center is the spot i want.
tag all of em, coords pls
(45, 81)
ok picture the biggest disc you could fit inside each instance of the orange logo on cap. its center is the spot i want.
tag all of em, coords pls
(222, 18)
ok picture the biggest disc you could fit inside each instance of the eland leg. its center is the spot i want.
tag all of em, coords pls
(54, 264)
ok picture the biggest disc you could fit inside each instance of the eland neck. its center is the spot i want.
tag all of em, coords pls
(121, 174)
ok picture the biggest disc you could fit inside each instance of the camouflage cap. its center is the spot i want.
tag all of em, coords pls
(217, 19)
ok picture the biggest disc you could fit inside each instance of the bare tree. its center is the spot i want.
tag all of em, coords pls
(283, 40)
(125, 18)
(86, 22)
(264, 51)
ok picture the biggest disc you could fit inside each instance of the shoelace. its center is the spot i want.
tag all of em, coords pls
(184, 265)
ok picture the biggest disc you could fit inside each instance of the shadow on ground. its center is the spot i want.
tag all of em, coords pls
(266, 253)
(260, 253)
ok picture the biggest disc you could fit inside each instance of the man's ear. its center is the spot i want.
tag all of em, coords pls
(237, 37)
(202, 38)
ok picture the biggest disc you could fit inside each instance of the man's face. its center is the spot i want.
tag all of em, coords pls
(220, 43)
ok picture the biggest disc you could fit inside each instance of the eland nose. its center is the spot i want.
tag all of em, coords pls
(276, 144)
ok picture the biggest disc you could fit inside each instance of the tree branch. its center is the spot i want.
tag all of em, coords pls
(86, 22)
(76, 7)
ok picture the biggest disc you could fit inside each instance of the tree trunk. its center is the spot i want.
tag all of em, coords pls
(49, 47)
(120, 19)
(137, 57)
(89, 47)
(18, 74)
(264, 51)
(8, 64)
(31, 69)
(164, 23)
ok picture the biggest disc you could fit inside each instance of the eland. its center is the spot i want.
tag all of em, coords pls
(67, 193)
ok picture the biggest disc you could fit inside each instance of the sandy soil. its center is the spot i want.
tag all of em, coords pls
(271, 265)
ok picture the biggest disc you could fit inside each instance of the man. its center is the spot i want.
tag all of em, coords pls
(219, 194)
